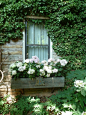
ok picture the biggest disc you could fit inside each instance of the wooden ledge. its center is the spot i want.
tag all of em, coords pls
(36, 17)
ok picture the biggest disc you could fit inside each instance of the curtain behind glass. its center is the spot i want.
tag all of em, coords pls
(37, 35)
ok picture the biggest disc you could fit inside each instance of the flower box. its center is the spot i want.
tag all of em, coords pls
(39, 82)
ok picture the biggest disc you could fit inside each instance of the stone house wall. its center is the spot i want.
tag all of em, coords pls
(10, 52)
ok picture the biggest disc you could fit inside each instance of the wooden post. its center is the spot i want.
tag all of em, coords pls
(0, 59)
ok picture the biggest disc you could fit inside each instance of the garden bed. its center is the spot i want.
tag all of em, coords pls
(39, 82)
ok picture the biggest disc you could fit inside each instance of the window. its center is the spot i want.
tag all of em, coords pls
(37, 41)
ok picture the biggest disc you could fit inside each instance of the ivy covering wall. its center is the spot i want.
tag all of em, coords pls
(66, 25)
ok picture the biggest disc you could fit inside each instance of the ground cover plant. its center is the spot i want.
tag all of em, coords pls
(4, 106)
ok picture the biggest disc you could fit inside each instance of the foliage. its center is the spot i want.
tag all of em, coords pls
(71, 100)
(4, 106)
(32, 68)
(66, 25)
(75, 75)
(26, 105)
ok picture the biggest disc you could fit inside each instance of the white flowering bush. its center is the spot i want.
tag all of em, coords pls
(80, 86)
(34, 68)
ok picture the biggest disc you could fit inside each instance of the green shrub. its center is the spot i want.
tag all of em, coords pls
(4, 106)
(25, 105)
(72, 75)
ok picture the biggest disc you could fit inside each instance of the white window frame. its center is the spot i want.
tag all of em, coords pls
(35, 17)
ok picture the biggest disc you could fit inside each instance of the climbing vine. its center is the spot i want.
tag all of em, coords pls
(66, 25)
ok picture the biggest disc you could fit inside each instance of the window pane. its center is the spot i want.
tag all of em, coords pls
(40, 51)
(37, 33)
(30, 33)
(37, 38)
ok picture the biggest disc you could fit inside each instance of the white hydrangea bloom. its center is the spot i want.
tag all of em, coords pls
(84, 113)
(49, 71)
(44, 62)
(31, 60)
(63, 62)
(51, 60)
(13, 65)
(79, 83)
(55, 70)
(38, 66)
(35, 59)
(19, 64)
(49, 67)
(27, 61)
(45, 67)
(21, 68)
(14, 72)
(31, 71)
(42, 72)
(48, 75)
(57, 61)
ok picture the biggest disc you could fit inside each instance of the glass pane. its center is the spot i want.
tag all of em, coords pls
(36, 34)
(40, 51)
(30, 33)
(44, 36)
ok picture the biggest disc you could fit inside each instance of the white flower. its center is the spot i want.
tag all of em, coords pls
(19, 64)
(27, 61)
(84, 113)
(42, 72)
(31, 60)
(38, 66)
(31, 71)
(21, 68)
(51, 60)
(49, 67)
(79, 83)
(49, 71)
(44, 62)
(55, 70)
(63, 62)
(35, 59)
(45, 67)
(13, 65)
(57, 61)
(48, 75)
(14, 72)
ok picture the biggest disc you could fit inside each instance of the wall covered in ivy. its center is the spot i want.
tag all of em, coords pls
(66, 25)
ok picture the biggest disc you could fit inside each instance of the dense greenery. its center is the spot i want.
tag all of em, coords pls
(66, 25)
(72, 99)
(4, 106)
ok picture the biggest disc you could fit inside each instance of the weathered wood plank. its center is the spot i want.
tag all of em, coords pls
(23, 83)
(36, 17)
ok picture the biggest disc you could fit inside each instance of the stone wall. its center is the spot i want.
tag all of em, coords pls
(11, 52)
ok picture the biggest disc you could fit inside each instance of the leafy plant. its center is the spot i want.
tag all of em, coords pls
(32, 68)
(75, 75)
(26, 105)
(4, 106)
